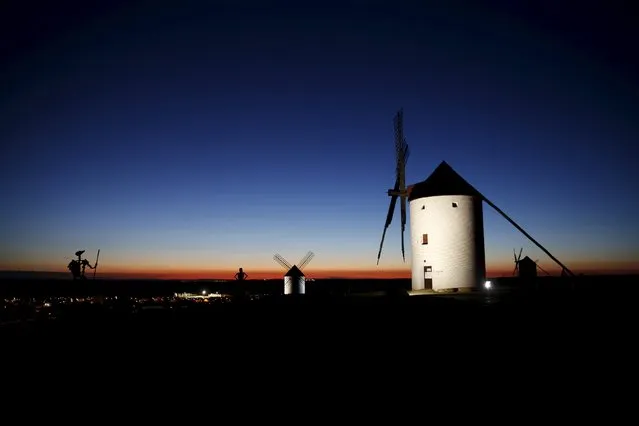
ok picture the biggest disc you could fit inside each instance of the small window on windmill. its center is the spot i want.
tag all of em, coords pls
(423, 207)
(424, 239)
(454, 204)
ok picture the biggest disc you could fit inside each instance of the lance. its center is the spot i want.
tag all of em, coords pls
(95, 268)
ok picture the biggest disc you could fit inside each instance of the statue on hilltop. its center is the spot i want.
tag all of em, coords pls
(78, 266)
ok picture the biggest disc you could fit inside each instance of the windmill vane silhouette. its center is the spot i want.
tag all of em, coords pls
(399, 189)
(517, 260)
(526, 267)
(294, 279)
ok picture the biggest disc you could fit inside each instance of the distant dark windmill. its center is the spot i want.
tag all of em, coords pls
(399, 190)
(517, 260)
(294, 280)
(526, 267)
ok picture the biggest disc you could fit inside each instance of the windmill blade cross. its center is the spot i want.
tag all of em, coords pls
(306, 260)
(279, 259)
(402, 153)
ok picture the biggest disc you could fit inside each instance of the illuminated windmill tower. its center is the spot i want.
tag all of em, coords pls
(294, 280)
(447, 233)
(446, 225)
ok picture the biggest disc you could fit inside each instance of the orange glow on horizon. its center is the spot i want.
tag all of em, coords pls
(252, 275)
(493, 271)
(348, 273)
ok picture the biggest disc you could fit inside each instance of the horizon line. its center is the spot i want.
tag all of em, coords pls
(263, 276)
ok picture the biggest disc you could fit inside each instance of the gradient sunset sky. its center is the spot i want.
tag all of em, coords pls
(189, 138)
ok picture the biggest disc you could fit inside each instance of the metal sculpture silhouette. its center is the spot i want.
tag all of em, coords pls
(78, 266)
(95, 268)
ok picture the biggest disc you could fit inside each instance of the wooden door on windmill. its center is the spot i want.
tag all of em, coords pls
(428, 277)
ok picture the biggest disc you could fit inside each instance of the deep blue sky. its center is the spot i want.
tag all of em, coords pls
(208, 137)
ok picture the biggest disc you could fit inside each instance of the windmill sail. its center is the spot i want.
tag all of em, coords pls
(389, 219)
(399, 190)
(279, 259)
(517, 259)
(306, 259)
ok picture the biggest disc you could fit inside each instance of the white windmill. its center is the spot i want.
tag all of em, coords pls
(294, 279)
(446, 225)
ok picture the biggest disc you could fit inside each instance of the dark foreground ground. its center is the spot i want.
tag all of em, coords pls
(137, 311)
(514, 341)
(142, 325)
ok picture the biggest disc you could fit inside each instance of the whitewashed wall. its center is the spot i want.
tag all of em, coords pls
(455, 248)
(294, 285)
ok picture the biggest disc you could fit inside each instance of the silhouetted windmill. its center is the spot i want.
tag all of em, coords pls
(517, 260)
(526, 267)
(294, 280)
(399, 190)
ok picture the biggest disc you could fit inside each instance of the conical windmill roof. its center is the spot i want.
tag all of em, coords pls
(443, 181)
(527, 260)
(294, 272)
